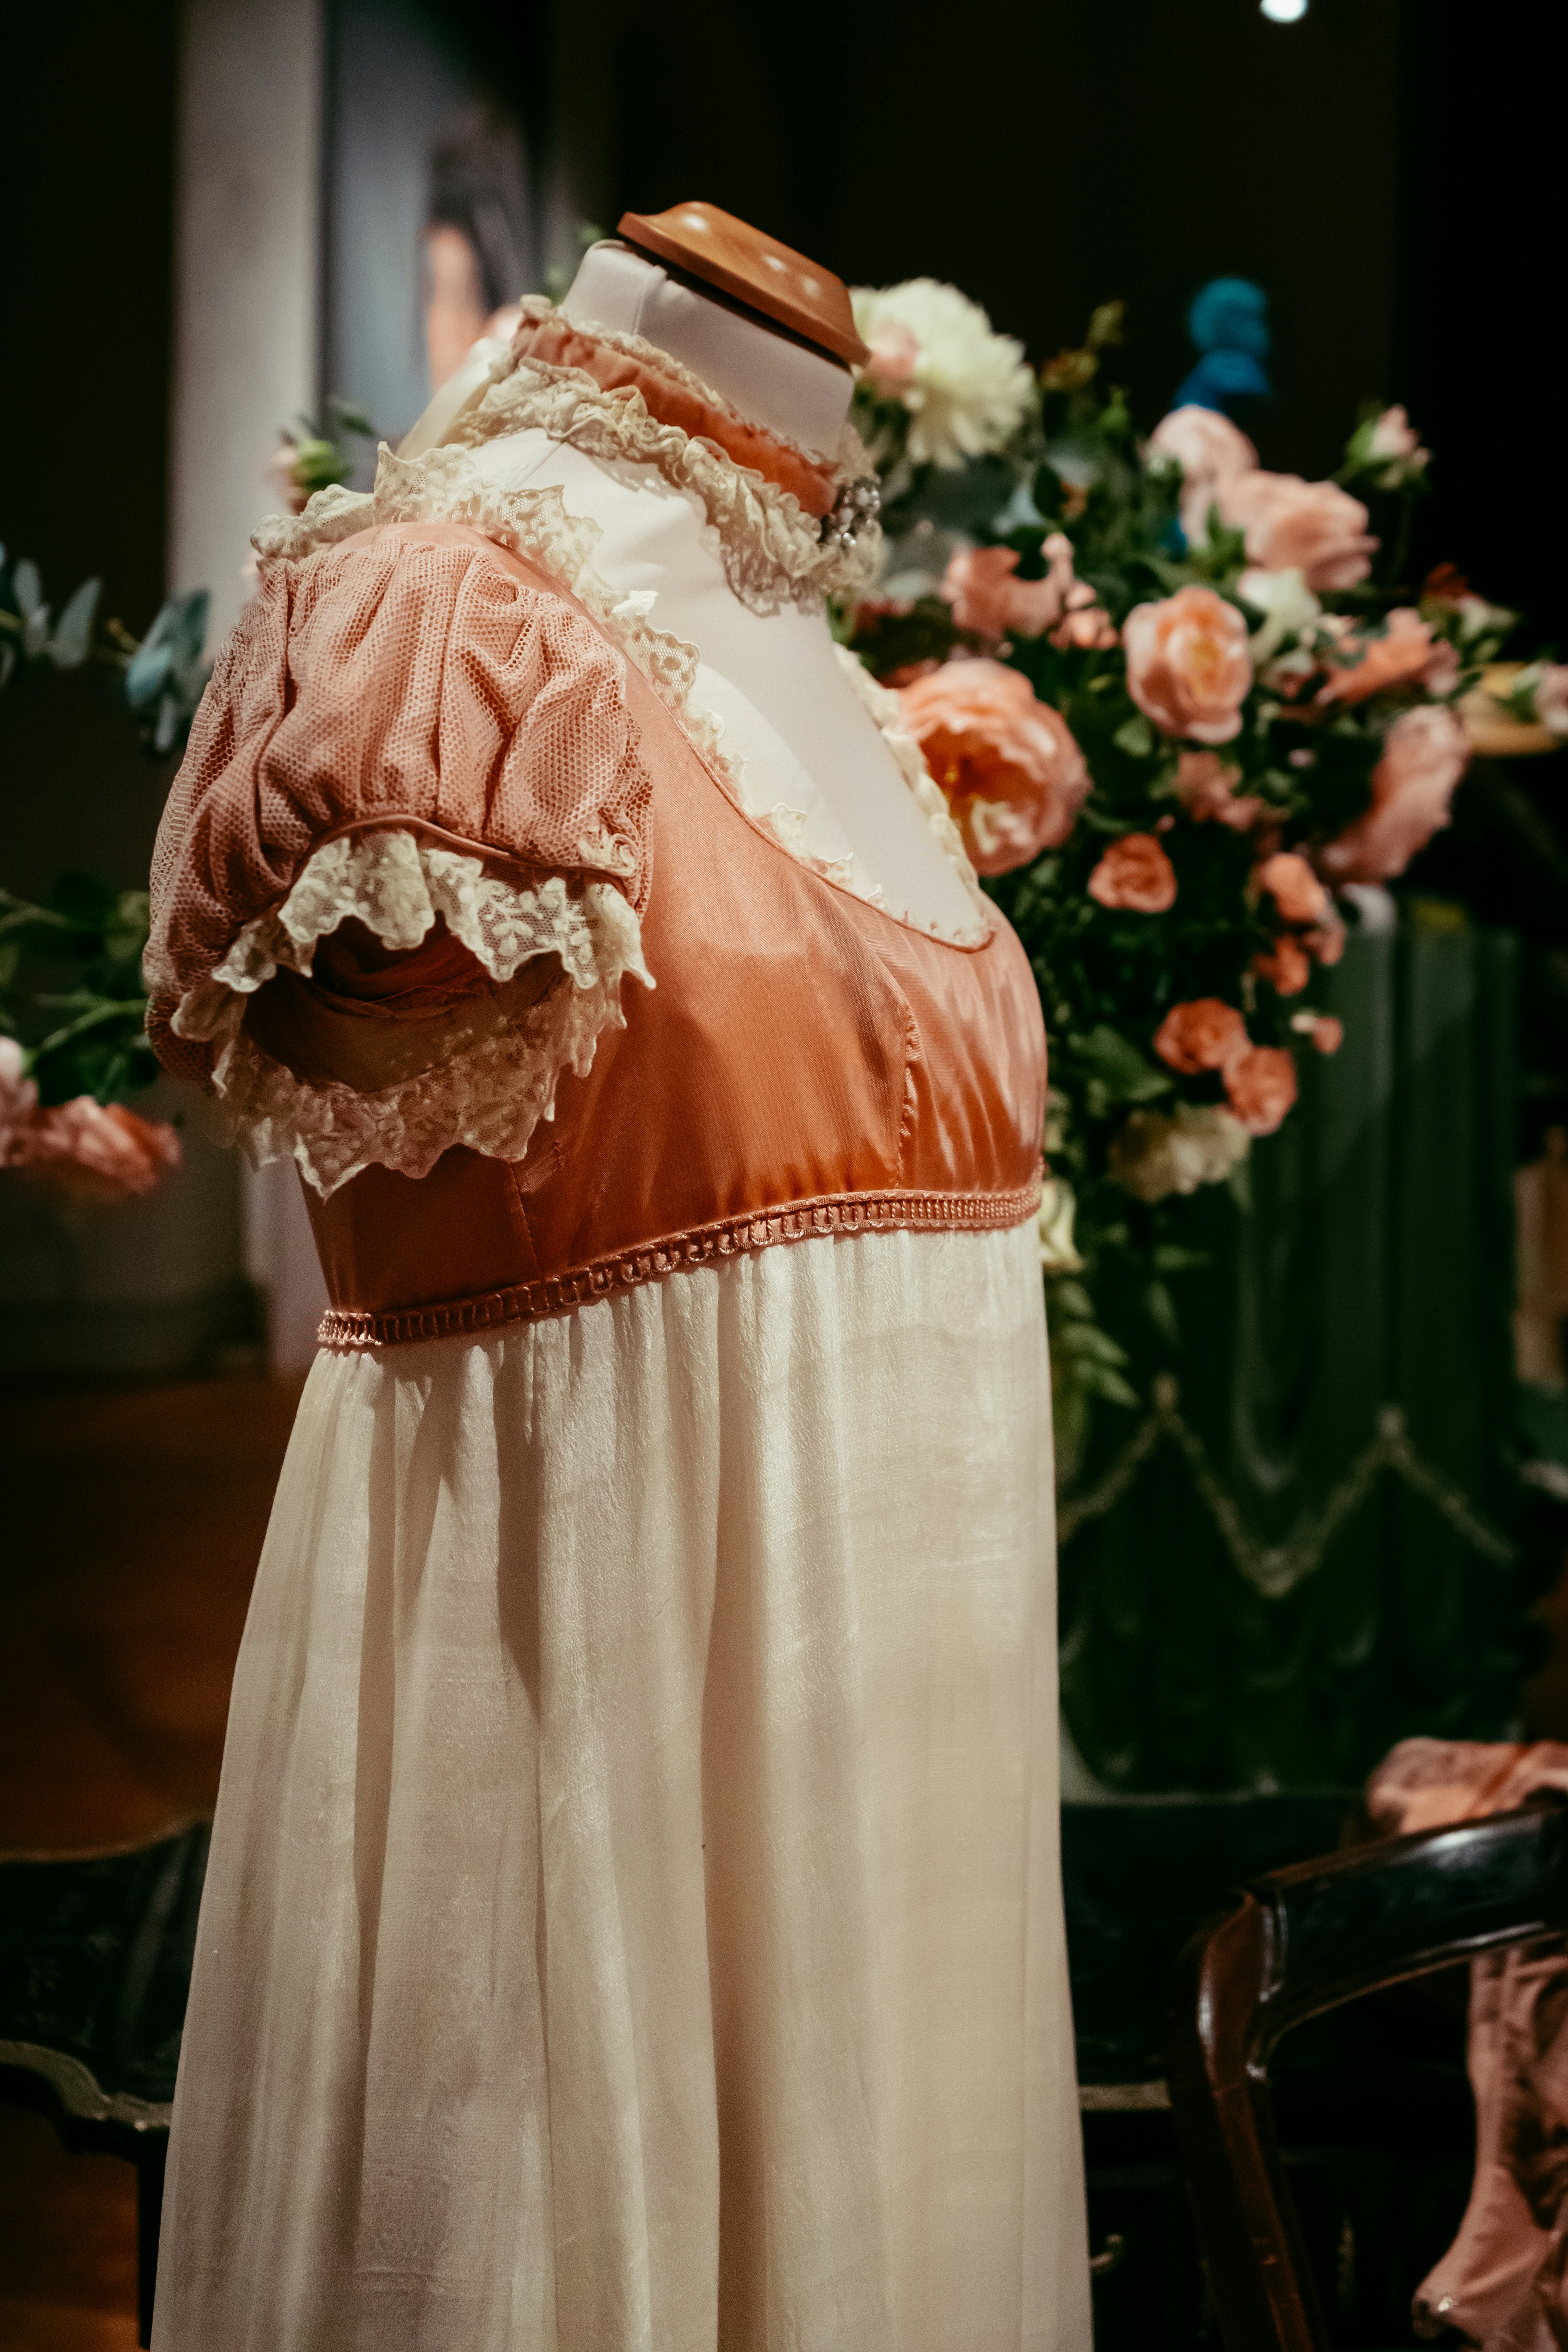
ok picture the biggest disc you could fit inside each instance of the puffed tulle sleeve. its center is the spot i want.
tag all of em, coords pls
(399, 882)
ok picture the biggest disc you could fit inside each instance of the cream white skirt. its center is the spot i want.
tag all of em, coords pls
(634, 1917)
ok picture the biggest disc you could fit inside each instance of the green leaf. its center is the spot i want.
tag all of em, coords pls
(1161, 1310)
(1072, 1299)
(1171, 1258)
(1115, 1065)
(1135, 737)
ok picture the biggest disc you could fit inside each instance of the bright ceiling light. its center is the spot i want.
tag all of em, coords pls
(1283, 12)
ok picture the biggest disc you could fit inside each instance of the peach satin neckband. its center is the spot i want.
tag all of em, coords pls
(555, 345)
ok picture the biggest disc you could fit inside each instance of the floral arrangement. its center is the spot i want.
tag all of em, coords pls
(314, 453)
(72, 1004)
(1183, 708)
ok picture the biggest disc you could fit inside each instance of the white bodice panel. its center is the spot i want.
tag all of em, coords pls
(773, 680)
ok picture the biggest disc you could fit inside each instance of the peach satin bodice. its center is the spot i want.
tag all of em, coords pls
(805, 1064)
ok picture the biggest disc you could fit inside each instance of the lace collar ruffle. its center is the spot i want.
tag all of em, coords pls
(773, 548)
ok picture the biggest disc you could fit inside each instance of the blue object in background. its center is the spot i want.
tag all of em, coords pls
(1228, 323)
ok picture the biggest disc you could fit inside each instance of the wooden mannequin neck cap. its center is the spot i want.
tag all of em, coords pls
(753, 269)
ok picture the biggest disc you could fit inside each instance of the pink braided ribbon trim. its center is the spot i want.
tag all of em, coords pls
(557, 1294)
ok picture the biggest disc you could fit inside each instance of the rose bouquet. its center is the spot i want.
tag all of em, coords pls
(72, 1003)
(1185, 710)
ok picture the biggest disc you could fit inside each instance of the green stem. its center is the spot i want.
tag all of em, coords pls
(109, 1009)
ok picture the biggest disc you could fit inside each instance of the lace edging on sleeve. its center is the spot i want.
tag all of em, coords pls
(489, 1086)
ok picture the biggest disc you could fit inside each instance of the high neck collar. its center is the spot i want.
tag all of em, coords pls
(673, 396)
(791, 527)
(768, 375)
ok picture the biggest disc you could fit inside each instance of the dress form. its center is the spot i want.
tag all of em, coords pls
(773, 680)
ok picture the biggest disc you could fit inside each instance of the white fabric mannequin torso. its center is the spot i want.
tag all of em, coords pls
(773, 680)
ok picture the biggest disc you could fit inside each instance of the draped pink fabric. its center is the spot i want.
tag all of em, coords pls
(1503, 2282)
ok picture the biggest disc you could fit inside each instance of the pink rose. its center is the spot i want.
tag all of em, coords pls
(19, 1100)
(1403, 653)
(1085, 623)
(1013, 774)
(1293, 886)
(1313, 528)
(1135, 875)
(986, 598)
(1261, 1088)
(1211, 451)
(1326, 1035)
(1425, 754)
(1394, 435)
(1188, 669)
(1285, 967)
(1441, 675)
(1326, 940)
(96, 1151)
(1205, 786)
(1204, 1034)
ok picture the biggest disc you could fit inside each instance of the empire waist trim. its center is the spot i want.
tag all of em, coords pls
(725, 1237)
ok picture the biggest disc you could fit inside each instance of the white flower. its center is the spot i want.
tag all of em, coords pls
(1058, 1209)
(1198, 1143)
(1477, 619)
(1286, 602)
(966, 388)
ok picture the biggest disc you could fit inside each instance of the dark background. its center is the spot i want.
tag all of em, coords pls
(1381, 167)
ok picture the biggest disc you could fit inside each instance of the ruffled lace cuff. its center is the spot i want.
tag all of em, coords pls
(493, 1080)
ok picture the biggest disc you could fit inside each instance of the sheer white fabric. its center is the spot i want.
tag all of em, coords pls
(633, 1916)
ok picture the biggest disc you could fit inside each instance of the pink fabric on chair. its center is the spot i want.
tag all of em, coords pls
(1502, 2282)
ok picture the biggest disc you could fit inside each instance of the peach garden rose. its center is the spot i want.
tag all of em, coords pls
(1313, 528)
(1401, 653)
(1260, 1087)
(1211, 451)
(1295, 889)
(1014, 777)
(1205, 786)
(1135, 876)
(96, 1151)
(1204, 1034)
(1189, 667)
(1284, 966)
(1425, 754)
(987, 597)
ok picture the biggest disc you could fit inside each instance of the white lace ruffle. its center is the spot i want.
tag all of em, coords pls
(444, 485)
(771, 549)
(491, 1085)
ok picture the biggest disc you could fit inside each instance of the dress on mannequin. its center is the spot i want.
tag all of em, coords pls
(633, 1916)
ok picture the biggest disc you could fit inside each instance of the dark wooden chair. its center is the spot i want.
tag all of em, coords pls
(1297, 1943)
(95, 1967)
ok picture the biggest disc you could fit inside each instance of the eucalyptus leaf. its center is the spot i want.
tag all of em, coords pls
(72, 640)
(1116, 1065)
(1135, 737)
